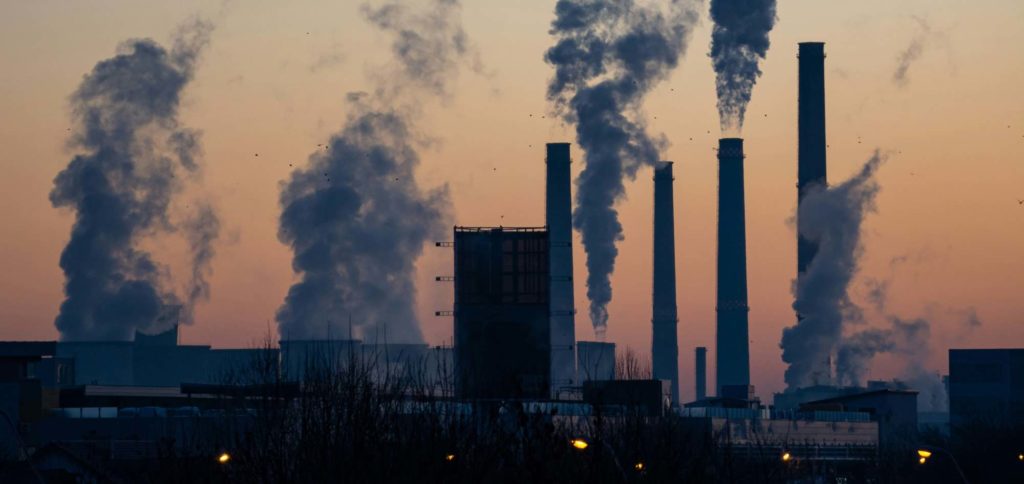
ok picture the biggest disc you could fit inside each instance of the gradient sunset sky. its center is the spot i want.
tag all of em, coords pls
(949, 230)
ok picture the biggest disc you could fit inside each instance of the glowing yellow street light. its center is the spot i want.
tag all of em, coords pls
(224, 458)
(580, 444)
(1020, 457)
(924, 453)
(786, 457)
(922, 460)
(449, 457)
(639, 466)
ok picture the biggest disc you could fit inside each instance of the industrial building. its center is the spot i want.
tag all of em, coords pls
(986, 386)
(595, 360)
(153, 361)
(895, 411)
(502, 324)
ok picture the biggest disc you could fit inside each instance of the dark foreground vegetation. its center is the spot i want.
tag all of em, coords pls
(360, 421)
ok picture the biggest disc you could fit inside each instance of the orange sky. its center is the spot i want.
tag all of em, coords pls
(949, 192)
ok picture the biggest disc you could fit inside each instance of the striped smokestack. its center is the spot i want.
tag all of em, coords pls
(664, 346)
(732, 352)
(558, 218)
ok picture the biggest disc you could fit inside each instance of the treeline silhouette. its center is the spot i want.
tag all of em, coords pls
(359, 418)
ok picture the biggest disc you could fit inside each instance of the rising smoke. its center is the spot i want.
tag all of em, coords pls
(608, 55)
(832, 219)
(134, 161)
(355, 218)
(739, 41)
(909, 340)
(913, 52)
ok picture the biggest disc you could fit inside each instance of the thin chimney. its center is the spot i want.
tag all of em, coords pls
(664, 347)
(558, 217)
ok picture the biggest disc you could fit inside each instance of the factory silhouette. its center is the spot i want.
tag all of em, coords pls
(514, 346)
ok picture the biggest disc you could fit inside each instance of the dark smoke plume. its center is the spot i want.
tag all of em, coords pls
(831, 218)
(739, 42)
(355, 218)
(608, 55)
(134, 159)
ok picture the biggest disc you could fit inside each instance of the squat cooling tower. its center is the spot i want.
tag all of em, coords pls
(664, 349)
(732, 353)
(558, 218)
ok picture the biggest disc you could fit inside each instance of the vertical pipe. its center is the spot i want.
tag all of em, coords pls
(732, 353)
(701, 366)
(811, 168)
(811, 155)
(558, 218)
(664, 345)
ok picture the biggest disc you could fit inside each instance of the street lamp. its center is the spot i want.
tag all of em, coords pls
(580, 444)
(786, 456)
(223, 458)
(925, 452)
(923, 455)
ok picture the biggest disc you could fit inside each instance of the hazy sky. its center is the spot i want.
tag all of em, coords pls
(274, 80)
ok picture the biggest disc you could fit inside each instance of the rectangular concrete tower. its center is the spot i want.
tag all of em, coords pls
(664, 347)
(810, 135)
(732, 351)
(558, 218)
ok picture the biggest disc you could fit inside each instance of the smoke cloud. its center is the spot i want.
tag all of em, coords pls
(739, 41)
(924, 37)
(907, 339)
(607, 56)
(355, 217)
(134, 161)
(831, 218)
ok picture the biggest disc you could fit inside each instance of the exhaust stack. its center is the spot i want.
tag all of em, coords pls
(701, 377)
(558, 218)
(664, 345)
(811, 167)
(732, 352)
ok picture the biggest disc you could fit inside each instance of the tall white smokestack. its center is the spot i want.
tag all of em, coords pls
(664, 347)
(558, 217)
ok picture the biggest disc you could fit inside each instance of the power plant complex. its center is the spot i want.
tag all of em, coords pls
(514, 336)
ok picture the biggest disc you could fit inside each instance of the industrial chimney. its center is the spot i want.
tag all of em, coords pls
(701, 370)
(664, 347)
(732, 353)
(810, 135)
(558, 218)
